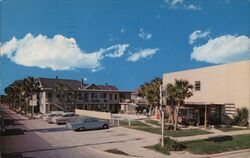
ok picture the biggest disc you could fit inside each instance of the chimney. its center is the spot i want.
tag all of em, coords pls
(106, 83)
(56, 77)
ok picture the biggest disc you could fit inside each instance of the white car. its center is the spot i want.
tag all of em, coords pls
(68, 117)
(51, 114)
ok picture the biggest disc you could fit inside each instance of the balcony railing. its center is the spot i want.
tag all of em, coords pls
(85, 100)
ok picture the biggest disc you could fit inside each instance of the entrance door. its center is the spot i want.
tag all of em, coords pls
(202, 116)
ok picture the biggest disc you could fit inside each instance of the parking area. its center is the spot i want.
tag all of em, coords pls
(37, 138)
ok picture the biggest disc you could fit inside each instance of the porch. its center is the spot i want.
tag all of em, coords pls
(196, 114)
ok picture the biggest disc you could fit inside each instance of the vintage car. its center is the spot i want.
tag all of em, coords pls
(87, 123)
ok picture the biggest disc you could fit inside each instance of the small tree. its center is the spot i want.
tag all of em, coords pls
(176, 94)
(241, 119)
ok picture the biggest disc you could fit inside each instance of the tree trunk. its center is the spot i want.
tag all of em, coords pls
(171, 114)
(150, 111)
(176, 116)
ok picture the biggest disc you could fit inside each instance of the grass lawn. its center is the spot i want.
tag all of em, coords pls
(230, 129)
(153, 122)
(218, 145)
(178, 133)
(158, 148)
(133, 123)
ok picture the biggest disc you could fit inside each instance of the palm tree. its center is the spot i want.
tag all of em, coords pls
(31, 88)
(150, 90)
(177, 93)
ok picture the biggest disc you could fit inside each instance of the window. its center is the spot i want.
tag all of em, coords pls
(49, 95)
(104, 95)
(92, 95)
(115, 96)
(197, 85)
(110, 97)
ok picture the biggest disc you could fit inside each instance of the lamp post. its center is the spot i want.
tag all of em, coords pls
(162, 119)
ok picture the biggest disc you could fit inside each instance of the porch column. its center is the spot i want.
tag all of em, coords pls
(205, 120)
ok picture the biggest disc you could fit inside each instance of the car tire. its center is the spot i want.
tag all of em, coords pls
(105, 126)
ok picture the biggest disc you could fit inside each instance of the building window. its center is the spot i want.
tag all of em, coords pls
(92, 95)
(110, 97)
(197, 85)
(49, 95)
(104, 95)
(115, 96)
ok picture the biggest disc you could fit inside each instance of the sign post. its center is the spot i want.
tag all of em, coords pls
(33, 103)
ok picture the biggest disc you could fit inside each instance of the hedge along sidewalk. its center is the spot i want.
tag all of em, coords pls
(199, 137)
(218, 145)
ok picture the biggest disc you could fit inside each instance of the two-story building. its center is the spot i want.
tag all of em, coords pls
(218, 91)
(89, 96)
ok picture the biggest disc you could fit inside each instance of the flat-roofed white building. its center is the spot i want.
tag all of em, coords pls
(221, 89)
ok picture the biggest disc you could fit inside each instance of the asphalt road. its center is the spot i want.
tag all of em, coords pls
(36, 138)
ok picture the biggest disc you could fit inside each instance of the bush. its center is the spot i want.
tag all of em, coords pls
(169, 127)
(192, 122)
(173, 145)
(241, 119)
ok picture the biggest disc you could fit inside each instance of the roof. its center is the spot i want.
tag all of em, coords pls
(51, 83)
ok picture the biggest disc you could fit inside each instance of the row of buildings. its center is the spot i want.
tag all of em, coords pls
(218, 91)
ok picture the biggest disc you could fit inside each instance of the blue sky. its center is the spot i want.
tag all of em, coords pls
(119, 42)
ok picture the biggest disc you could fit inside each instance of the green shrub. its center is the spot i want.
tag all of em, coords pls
(192, 122)
(169, 127)
(241, 119)
(173, 145)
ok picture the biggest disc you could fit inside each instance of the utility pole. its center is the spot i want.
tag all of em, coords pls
(162, 119)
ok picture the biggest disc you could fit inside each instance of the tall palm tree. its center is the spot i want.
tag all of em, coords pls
(31, 88)
(177, 93)
(150, 90)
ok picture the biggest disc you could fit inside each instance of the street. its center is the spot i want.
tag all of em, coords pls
(37, 139)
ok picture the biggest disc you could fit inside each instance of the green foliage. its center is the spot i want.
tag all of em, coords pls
(241, 119)
(151, 91)
(173, 145)
(169, 127)
(218, 145)
(169, 145)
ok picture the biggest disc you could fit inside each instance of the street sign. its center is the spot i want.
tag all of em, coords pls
(33, 102)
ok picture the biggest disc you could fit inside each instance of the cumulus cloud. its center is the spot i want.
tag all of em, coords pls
(144, 35)
(198, 34)
(176, 4)
(144, 53)
(223, 49)
(57, 53)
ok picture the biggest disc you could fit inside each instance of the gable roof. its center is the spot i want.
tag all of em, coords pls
(51, 83)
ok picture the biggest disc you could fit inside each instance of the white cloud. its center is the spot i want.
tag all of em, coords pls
(176, 4)
(197, 35)
(144, 35)
(123, 30)
(193, 7)
(57, 53)
(118, 50)
(144, 53)
(223, 49)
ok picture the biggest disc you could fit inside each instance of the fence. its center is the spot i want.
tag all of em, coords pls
(96, 114)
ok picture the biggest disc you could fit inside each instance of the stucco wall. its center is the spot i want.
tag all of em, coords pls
(97, 114)
(222, 84)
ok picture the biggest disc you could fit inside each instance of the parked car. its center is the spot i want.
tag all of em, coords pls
(53, 117)
(67, 117)
(87, 123)
(51, 114)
